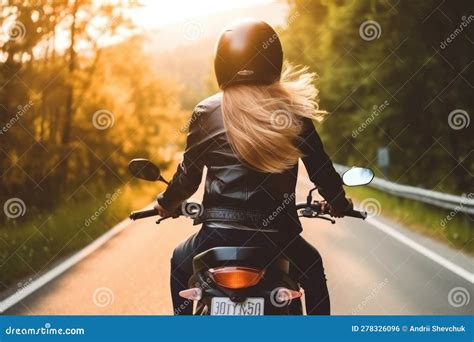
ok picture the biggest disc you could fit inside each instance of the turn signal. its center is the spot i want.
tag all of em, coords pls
(236, 277)
(194, 293)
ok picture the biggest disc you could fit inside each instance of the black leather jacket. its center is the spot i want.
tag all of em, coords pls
(237, 193)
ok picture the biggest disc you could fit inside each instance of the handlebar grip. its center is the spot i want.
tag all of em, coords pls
(142, 214)
(356, 214)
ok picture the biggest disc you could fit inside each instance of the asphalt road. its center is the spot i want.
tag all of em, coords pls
(368, 271)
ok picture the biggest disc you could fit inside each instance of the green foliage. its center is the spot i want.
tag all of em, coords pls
(73, 111)
(403, 82)
(34, 245)
(74, 117)
(450, 227)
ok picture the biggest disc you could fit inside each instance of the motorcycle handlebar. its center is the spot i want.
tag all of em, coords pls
(142, 214)
(317, 208)
(314, 206)
(357, 214)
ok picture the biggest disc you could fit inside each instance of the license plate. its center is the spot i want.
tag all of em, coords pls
(223, 306)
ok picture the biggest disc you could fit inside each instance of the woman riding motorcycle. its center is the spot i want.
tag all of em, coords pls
(250, 137)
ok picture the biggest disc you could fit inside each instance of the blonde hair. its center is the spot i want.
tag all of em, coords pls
(263, 122)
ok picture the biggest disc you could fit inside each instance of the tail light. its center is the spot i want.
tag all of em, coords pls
(236, 277)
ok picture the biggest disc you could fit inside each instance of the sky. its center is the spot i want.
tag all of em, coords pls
(157, 13)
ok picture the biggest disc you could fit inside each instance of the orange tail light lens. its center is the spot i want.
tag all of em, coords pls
(236, 277)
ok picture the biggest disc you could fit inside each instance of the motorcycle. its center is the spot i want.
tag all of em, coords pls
(248, 281)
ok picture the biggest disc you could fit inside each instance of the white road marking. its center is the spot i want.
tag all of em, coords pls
(61, 268)
(415, 245)
(422, 249)
(73, 260)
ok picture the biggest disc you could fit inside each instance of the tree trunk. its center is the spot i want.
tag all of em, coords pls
(69, 110)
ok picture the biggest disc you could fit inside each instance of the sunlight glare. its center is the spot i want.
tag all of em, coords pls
(162, 13)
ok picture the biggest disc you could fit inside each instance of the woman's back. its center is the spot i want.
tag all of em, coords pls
(230, 183)
(250, 138)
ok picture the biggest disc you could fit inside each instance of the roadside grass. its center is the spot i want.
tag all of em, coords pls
(33, 244)
(30, 246)
(451, 227)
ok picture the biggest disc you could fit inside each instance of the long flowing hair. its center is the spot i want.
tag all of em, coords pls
(263, 122)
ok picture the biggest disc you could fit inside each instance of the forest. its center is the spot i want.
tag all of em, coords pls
(395, 75)
(81, 94)
(79, 99)
(73, 117)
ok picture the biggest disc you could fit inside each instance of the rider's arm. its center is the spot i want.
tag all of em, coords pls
(188, 175)
(320, 168)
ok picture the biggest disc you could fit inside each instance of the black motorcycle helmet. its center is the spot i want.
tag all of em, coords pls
(248, 51)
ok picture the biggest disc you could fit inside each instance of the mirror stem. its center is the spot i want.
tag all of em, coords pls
(309, 198)
(164, 180)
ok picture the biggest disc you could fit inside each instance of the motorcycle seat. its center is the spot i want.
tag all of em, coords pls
(254, 257)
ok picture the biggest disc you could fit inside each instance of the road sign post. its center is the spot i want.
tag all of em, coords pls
(383, 160)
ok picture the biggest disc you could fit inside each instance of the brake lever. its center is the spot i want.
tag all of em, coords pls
(161, 219)
(333, 221)
(164, 218)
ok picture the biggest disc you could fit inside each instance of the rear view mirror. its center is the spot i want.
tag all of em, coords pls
(144, 169)
(357, 176)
